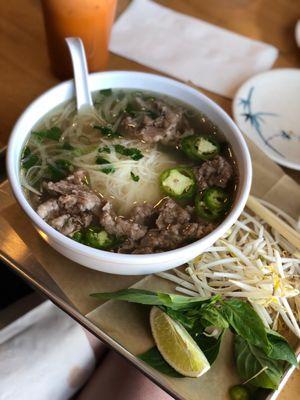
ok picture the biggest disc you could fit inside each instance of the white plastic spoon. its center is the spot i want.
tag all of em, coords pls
(80, 70)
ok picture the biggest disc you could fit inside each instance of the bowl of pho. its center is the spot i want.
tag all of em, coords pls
(148, 179)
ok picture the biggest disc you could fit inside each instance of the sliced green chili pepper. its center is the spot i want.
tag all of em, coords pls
(239, 392)
(179, 182)
(78, 236)
(212, 203)
(203, 211)
(200, 147)
(95, 237)
(98, 238)
(216, 199)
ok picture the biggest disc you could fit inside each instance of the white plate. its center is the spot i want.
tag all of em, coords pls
(267, 110)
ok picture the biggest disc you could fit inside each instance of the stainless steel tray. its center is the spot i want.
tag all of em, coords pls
(15, 254)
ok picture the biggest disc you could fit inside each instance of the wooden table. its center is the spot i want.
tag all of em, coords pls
(25, 72)
(24, 66)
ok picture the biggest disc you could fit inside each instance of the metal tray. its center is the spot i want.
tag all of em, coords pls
(15, 254)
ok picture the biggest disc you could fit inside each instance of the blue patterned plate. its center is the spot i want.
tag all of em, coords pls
(267, 110)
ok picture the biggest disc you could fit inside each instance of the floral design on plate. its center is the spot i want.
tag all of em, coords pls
(266, 108)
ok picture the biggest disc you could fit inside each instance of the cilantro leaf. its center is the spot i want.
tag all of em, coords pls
(53, 133)
(132, 152)
(67, 146)
(134, 177)
(59, 169)
(28, 159)
(106, 92)
(104, 149)
(107, 131)
(109, 169)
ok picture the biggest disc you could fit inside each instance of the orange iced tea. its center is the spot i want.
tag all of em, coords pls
(91, 20)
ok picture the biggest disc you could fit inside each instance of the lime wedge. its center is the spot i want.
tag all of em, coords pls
(176, 345)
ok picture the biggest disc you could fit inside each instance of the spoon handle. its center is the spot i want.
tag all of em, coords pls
(83, 94)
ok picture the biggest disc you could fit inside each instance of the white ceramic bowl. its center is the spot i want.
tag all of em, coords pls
(127, 264)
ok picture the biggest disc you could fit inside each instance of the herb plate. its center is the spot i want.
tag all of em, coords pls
(114, 318)
(266, 109)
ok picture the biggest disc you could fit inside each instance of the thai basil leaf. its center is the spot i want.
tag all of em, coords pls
(53, 133)
(280, 349)
(244, 320)
(131, 295)
(153, 358)
(147, 297)
(209, 345)
(179, 302)
(195, 319)
(190, 322)
(211, 316)
(250, 360)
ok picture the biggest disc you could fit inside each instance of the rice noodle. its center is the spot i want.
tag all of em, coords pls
(79, 132)
(120, 186)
